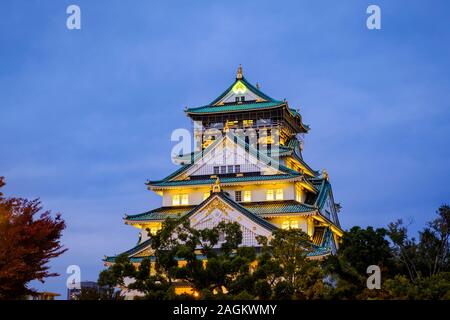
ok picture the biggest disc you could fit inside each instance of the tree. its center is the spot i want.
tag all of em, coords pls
(431, 254)
(359, 249)
(29, 238)
(435, 287)
(285, 270)
(226, 271)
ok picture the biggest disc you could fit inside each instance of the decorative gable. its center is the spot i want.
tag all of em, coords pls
(231, 157)
(216, 210)
(239, 93)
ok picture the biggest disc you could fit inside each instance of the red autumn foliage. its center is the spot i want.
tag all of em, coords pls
(29, 238)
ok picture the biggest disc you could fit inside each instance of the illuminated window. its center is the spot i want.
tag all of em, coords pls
(289, 224)
(184, 199)
(180, 199)
(231, 124)
(176, 200)
(247, 196)
(238, 196)
(153, 230)
(206, 195)
(274, 194)
(247, 123)
(279, 194)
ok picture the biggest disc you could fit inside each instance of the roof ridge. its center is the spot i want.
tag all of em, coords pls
(246, 83)
(251, 150)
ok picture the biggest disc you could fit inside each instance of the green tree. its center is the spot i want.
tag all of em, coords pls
(285, 270)
(359, 249)
(226, 271)
(430, 255)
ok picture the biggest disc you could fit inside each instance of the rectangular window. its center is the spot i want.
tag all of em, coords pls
(243, 98)
(232, 124)
(279, 194)
(180, 199)
(247, 123)
(237, 169)
(206, 195)
(184, 199)
(223, 169)
(247, 196)
(285, 225)
(269, 195)
(230, 169)
(238, 196)
(176, 200)
(216, 170)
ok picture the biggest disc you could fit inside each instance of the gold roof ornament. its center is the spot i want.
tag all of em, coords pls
(325, 174)
(216, 186)
(239, 72)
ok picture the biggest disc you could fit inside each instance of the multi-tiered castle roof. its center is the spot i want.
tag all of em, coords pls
(247, 166)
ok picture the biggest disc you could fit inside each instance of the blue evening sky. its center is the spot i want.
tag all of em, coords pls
(86, 115)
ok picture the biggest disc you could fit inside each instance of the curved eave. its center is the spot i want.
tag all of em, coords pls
(336, 229)
(197, 111)
(308, 186)
(223, 183)
(289, 214)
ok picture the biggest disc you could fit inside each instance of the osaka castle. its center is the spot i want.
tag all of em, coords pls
(247, 166)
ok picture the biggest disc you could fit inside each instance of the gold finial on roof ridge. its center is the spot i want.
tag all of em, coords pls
(216, 186)
(239, 72)
(325, 174)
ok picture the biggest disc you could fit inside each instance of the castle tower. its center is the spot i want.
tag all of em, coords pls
(247, 167)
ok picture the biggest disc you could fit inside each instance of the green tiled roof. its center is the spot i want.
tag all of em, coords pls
(258, 208)
(138, 248)
(223, 180)
(235, 107)
(248, 85)
(325, 246)
(167, 181)
(277, 207)
(160, 213)
(323, 186)
(165, 212)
